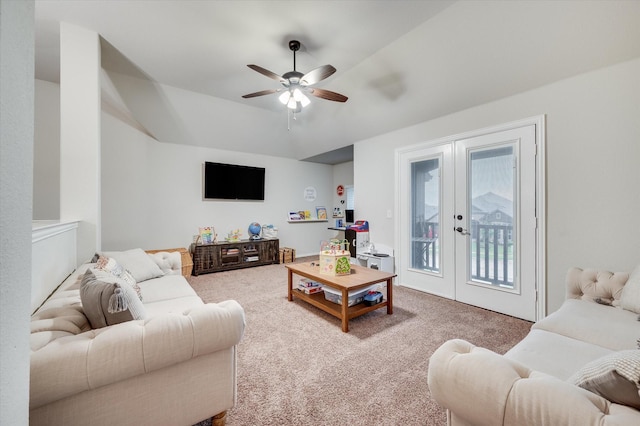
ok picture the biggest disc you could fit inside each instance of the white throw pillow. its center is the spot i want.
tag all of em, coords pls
(630, 296)
(139, 263)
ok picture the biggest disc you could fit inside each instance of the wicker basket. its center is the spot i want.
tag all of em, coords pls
(187, 262)
(287, 255)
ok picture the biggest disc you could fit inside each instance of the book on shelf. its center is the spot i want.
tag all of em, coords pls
(321, 213)
(309, 286)
(311, 290)
(295, 216)
(308, 283)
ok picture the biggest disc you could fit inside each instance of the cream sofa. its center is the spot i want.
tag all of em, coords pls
(175, 367)
(536, 382)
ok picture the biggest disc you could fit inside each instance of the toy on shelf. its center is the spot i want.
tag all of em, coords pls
(335, 257)
(254, 231)
(234, 236)
(360, 226)
(207, 235)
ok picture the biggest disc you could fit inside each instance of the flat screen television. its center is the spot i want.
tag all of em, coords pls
(233, 182)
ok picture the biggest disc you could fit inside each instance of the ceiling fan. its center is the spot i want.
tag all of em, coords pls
(295, 84)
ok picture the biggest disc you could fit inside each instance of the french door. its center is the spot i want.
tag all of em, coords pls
(467, 224)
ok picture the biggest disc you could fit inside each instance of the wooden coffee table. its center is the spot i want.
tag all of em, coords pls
(360, 277)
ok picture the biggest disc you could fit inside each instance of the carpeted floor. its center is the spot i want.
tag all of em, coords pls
(296, 366)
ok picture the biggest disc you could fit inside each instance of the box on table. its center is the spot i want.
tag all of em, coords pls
(355, 296)
(287, 255)
(335, 263)
(335, 258)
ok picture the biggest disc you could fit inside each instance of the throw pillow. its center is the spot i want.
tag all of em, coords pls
(615, 377)
(139, 263)
(108, 303)
(110, 266)
(630, 296)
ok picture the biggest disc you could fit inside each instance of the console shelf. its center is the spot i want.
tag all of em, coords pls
(224, 256)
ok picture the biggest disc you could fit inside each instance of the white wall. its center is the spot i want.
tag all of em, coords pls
(46, 155)
(592, 168)
(80, 59)
(152, 193)
(16, 189)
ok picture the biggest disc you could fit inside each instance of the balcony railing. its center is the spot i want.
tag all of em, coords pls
(491, 251)
(426, 246)
(492, 254)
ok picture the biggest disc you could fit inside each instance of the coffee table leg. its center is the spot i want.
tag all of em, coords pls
(390, 296)
(345, 306)
(290, 291)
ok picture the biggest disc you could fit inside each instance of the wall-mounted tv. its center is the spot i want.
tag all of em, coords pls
(232, 182)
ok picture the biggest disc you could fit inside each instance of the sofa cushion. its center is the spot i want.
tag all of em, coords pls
(139, 263)
(612, 328)
(630, 297)
(547, 352)
(615, 377)
(108, 303)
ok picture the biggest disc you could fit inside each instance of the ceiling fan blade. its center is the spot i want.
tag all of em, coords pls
(260, 93)
(328, 94)
(266, 72)
(316, 75)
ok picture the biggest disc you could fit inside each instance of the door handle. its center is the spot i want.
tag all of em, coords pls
(461, 230)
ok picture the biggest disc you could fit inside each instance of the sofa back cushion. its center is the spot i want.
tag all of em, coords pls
(594, 285)
(136, 261)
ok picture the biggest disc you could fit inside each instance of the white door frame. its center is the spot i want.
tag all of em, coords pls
(540, 167)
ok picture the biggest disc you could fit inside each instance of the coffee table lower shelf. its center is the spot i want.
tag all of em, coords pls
(319, 301)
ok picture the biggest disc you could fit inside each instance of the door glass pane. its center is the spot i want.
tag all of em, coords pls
(425, 215)
(491, 194)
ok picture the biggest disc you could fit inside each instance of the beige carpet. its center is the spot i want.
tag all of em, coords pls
(296, 366)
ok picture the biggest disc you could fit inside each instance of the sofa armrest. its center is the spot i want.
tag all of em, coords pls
(73, 364)
(480, 387)
(592, 284)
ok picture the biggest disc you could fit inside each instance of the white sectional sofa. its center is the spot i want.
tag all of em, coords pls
(177, 366)
(578, 366)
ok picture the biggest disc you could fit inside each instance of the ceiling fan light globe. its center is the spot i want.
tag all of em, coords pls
(297, 95)
(292, 103)
(284, 98)
(304, 101)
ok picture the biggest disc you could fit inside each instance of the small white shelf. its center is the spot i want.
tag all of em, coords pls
(308, 220)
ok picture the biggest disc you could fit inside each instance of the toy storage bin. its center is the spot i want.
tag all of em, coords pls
(355, 296)
(287, 255)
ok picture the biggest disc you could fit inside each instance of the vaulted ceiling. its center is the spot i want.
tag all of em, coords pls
(177, 69)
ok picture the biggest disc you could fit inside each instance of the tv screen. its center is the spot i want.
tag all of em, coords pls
(233, 182)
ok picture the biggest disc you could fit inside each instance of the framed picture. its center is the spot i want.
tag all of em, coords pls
(321, 213)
